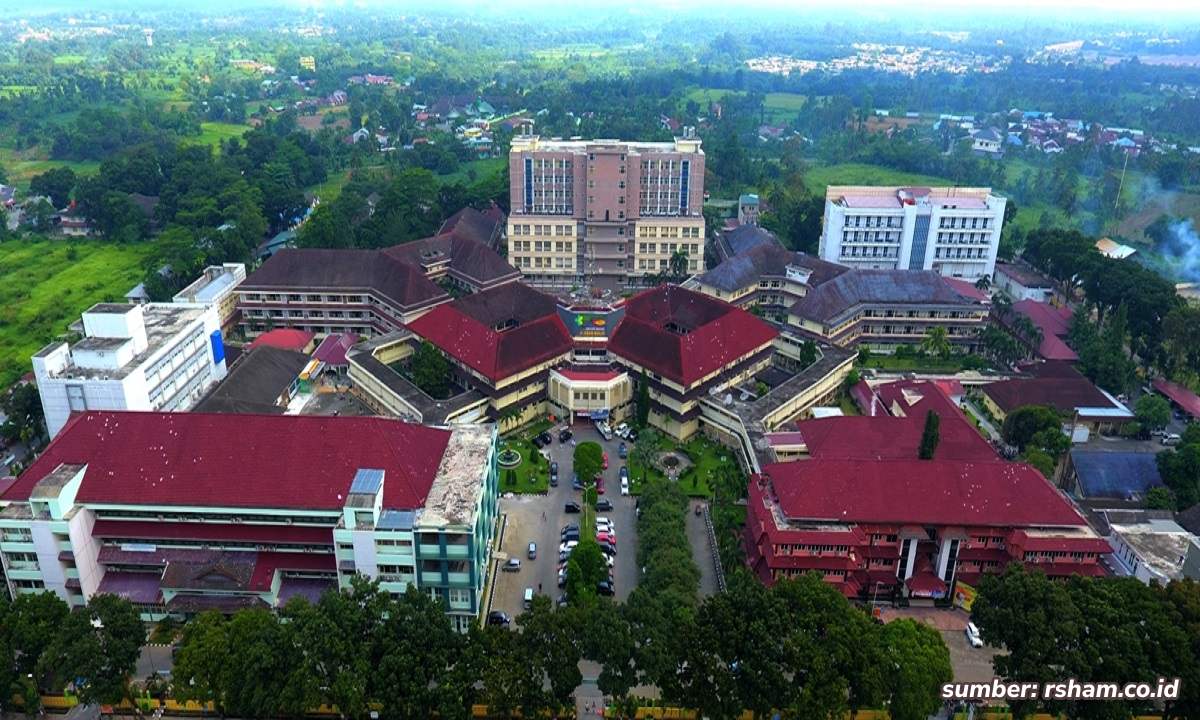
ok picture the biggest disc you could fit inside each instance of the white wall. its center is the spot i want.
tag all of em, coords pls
(46, 548)
(87, 551)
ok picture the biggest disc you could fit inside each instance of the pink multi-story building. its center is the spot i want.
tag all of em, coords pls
(587, 208)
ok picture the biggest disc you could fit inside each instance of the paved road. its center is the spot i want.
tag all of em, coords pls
(540, 519)
(698, 538)
(154, 658)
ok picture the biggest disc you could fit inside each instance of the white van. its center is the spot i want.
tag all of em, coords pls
(528, 598)
(1171, 439)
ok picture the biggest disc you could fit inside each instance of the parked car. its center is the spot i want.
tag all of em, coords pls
(513, 565)
(570, 529)
(575, 484)
(605, 587)
(602, 521)
(553, 468)
(599, 485)
(624, 473)
(608, 549)
(623, 431)
(545, 438)
(567, 546)
(606, 538)
(603, 505)
(553, 481)
(622, 451)
(571, 507)
(1171, 439)
(632, 435)
(604, 430)
(498, 617)
(537, 442)
(973, 636)
(532, 551)
(562, 600)
(571, 536)
(625, 486)
(564, 435)
(604, 461)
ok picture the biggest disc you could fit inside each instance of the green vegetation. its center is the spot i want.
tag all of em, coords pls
(431, 371)
(921, 363)
(531, 476)
(46, 284)
(819, 176)
(214, 134)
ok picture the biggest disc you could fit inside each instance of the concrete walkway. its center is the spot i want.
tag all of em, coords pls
(990, 429)
(698, 539)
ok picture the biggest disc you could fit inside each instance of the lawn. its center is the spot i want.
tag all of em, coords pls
(329, 190)
(46, 284)
(817, 177)
(21, 167)
(892, 363)
(781, 108)
(473, 170)
(847, 406)
(215, 133)
(706, 457)
(532, 475)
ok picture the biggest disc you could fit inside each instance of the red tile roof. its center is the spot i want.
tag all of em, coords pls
(922, 492)
(332, 350)
(267, 563)
(211, 460)
(684, 335)
(589, 375)
(174, 530)
(530, 331)
(284, 338)
(1179, 395)
(1055, 323)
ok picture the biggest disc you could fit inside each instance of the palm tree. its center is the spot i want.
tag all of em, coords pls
(984, 283)
(936, 342)
(1001, 305)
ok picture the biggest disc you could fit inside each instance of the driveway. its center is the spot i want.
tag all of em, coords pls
(697, 533)
(969, 664)
(540, 519)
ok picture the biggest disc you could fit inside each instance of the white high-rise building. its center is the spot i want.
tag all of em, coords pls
(157, 356)
(953, 230)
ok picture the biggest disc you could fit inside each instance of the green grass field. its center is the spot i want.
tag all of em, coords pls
(20, 169)
(46, 284)
(782, 108)
(68, 59)
(329, 190)
(480, 168)
(215, 133)
(819, 176)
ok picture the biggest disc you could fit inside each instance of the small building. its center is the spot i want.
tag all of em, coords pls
(1095, 474)
(1112, 249)
(748, 207)
(1021, 282)
(1154, 550)
(157, 356)
(1181, 398)
(1053, 322)
(1084, 407)
(987, 142)
(331, 353)
(301, 341)
(216, 286)
(264, 381)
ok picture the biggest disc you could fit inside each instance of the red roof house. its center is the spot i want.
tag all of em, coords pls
(286, 339)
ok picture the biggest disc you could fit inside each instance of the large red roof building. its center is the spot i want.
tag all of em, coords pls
(182, 512)
(861, 508)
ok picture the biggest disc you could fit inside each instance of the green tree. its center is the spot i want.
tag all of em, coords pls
(677, 266)
(921, 665)
(643, 401)
(201, 660)
(1040, 460)
(1180, 471)
(588, 461)
(1023, 423)
(586, 568)
(420, 663)
(550, 638)
(431, 370)
(33, 622)
(930, 436)
(1153, 411)
(97, 647)
(936, 342)
(25, 421)
(55, 183)
(1160, 498)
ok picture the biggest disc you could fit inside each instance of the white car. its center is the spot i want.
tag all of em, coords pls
(973, 636)
(567, 546)
(623, 431)
(625, 486)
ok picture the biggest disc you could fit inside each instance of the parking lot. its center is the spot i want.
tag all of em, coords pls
(969, 664)
(540, 519)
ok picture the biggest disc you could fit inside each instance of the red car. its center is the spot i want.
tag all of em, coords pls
(604, 464)
(606, 538)
(599, 485)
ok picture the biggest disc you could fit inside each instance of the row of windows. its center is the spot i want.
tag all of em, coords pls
(526, 229)
(668, 231)
(914, 330)
(541, 246)
(956, 253)
(560, 263)
(870, 252)
(550, 164)
(962, 222)
(871, 236)
(800, 549)
(1038, 555)
(309, 299)
(671, 248)
(644, 264)
(178, 355)
(964, 238)
(873, 221)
